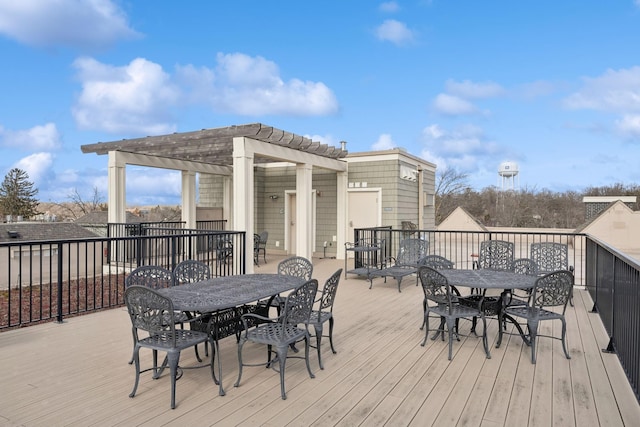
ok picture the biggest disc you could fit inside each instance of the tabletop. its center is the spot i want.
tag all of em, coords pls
(223, 292)
(488, 279)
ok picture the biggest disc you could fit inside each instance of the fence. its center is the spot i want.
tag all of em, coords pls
(47, 280)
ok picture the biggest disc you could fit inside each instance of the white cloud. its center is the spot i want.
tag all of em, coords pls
(42, 137)
(37, 165)
(391, 7)
(329, 140)
(152, 186)
(629, 126)
(71, 23)
(395, 32)
(384, 142)
(252, 86)
(453, 105)
(465, 148)
(615, 91)
(135, 98)
(469, 89)
(140, 96)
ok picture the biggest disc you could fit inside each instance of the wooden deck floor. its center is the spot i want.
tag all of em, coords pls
(76, 374)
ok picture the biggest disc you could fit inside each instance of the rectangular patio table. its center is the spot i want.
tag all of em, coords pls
(493, 279)
(221, 293)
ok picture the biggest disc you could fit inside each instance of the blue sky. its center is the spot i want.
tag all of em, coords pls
(551, 85)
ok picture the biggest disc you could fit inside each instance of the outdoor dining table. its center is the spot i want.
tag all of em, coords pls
(485, 279)
(220, 293)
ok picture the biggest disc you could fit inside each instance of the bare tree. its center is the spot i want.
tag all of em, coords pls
(77, 206)
(449, 183)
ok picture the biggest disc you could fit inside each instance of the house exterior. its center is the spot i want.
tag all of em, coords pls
(618, 226)
(384, 188)
(22, 258)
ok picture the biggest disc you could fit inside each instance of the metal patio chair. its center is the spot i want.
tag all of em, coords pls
(410, 253)
(281, 332)
(550, 257)
(324, 313)
(153, 313)
(190, 271)
(441, 301)
(551, 291)
(260, 245)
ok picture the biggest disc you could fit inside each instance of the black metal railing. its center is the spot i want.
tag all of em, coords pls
(613, 281)
(462, 247)
(47, 280)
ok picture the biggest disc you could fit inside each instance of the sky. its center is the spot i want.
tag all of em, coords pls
(552, 86)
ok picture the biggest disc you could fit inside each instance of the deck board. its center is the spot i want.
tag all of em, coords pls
(76, 373)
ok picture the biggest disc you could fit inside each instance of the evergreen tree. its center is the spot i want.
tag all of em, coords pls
(17, 195)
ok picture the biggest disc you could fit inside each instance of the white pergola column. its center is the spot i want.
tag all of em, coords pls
(116, 198)
(341, 212)
(243, 195)
(227, 201)
(304, 206)
(188, 194)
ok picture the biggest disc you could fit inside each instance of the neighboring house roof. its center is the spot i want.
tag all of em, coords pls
(461, 220)
(32, 231)
(618, 226)
(101, 218)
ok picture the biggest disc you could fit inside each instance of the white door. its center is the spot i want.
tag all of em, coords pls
(364, 210)
(291, 223)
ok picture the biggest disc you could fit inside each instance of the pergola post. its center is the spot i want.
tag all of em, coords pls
(116, 198)
(243, 194)
(304, 206)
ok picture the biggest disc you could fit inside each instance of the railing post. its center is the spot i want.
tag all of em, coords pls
(59, 316)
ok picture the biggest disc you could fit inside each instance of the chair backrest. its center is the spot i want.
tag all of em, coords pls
(411, 251)
(550, 256)
(435, 286)
(190, 271)
(264, 236)
(296, 266)
(299, 303)
(149, 311)
(436, 262)
(329, 291)
(552, 290)
(496, 255)
(150, 276)
(525, 266)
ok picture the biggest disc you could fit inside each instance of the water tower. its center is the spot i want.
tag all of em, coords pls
(508, 172)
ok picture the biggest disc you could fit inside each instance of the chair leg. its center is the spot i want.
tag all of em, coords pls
(532, 326)
(306, 355)
(331, 335)
(174, 357)
(564, 338)
(451, 328)
(240, 344)
(136, 361)
(318, 331)
(281, 352)
(426, 325)
(424, 309)
(485, 341)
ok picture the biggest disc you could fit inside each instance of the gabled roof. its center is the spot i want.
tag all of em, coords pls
(33, 231)
(461, 220)
(214, 146)
(101, 218)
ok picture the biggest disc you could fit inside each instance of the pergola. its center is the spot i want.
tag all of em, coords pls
(231, 152)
